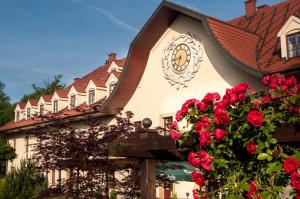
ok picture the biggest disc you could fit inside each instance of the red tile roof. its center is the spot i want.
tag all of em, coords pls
(239, 43)
(33, 102)
(47, 98)
(64, 113)
(63, 93)
(21, 104)
(266, 23)
(99, 76)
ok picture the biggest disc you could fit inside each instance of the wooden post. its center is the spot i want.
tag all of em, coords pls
(148, 179)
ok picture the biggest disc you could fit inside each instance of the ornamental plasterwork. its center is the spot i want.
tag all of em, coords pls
(181, 59)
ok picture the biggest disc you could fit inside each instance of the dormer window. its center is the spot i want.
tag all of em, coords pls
(72, 101)
(28, 113)
(17, 115)
(42, 109)
(293, 45)
(91, 96)
(55, 106)
(112, 87)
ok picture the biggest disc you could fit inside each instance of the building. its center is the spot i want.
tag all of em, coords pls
(179, 54)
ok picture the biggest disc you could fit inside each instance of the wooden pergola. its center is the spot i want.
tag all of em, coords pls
(147, 149)
(150, 147)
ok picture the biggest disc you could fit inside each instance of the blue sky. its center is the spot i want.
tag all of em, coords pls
(42, 38)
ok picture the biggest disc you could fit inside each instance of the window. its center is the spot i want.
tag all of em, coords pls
(91, 96)
(55, 106)
(28, 113)
(42, 109)
(17, 115)
(167, 124)
(26, 146)
(72, 101)
(14, 143)
(293, 45)
(111, 87)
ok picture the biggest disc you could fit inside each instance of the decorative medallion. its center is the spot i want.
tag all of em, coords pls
(181, 59)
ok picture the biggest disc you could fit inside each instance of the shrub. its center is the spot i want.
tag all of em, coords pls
(23, 183)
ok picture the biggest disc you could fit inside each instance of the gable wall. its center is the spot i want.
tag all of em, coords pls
(155, 96)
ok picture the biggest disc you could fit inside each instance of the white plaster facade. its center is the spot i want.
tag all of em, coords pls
(155, 95)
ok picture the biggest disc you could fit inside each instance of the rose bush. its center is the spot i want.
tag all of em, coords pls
(232, 141)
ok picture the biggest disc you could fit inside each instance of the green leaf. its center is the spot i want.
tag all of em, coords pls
(245, 187)
(284, 155)
(262, 156)
(267, 144)
(273, 141)
(269, 158)
(297, 156)
(269, 152)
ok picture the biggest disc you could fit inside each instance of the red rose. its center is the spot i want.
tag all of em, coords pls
(242, 87)
(193, 160)
(232, 94)
(251, 148)
(224, 102)
(290, 164)
(203, 123)
(266, 80)
(205, 160)
(252, 190)
(291, 81)
(204, 137)
(175, 135)
(256, 118)
(266, 98)
(211, 97)
(295, 180)
(219, 134)
(198, 178)
(273, 85)
(196, 194)
(256, 102)
(221, 116)
(202, 106)
(178, 116)
(174, 125)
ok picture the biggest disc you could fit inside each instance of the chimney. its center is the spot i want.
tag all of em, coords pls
(250, 6)
(112, 57)
(76, 79)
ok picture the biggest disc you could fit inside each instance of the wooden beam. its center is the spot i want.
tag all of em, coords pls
(148, 179)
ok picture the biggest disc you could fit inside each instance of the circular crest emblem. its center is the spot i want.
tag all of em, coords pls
(181, 59)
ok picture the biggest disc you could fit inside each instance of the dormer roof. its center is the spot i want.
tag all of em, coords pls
(32, 102)
(21, 105)
(266, 23)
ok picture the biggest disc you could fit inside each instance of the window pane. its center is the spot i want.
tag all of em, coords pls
(298, 39)
(291, 39)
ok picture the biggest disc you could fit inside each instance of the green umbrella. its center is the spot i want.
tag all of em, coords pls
(178, 171)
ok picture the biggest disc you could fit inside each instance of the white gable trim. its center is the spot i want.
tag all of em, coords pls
(111, 78)
(293, 20)
(291, 26)
(114, 66)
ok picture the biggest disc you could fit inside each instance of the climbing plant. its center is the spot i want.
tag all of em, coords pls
(232, 140)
